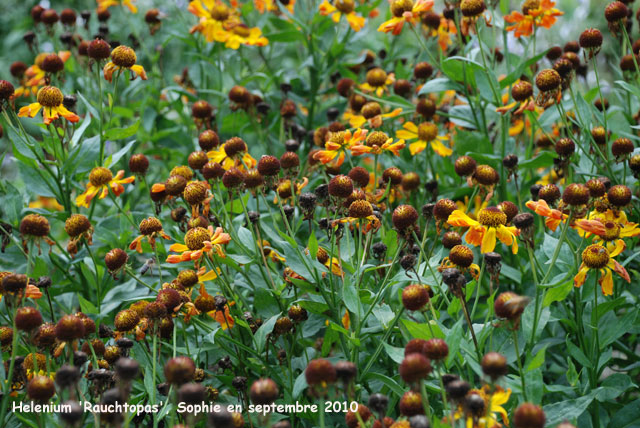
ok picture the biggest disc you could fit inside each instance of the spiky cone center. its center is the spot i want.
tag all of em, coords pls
(443, 209)
(13, 283)
(616, 11)
(621, 147)
(590, 38)
(472, 8)
(28, 318)
(76, 225)
(155, 311)
(509, 208)
(322, 255)
(205, 303)
(376, 77)
(98, 49)
(595, 256)
(461, 256)
(619, 195)
(150, 225)
(340, 186)
(565, 147)
(201, 110)
(126, 320)
(376, 139)
(234, 146)
(399, 7)
(528, 415)
(465, 165)
(289, 160)
(548, 80)
(492, 217)
(415, 297)
(436, 349)
(264, 391)
(30, 364)
(50, 96)
(197, 159)
(34, 225)
(549, 193)
(179, 370)
(576, 194)
(69, 328)
(239, 94)
(175, 185)
(52, 63)
(183, 171)
(411, 404)
(410, 181)
(371, 109)
(404, 216)
(451, 239)
(345, 6)
(360, 209)
(427, 131)
(220, 12)
(41, 388)
(187, 278)
(115, 259)
(522, 91)
(195, 193)
(195, 238)
(208, 139)
(486, 175)
(123, 56)
(100, 176)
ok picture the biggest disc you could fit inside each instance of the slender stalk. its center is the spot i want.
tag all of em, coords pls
(522, 381)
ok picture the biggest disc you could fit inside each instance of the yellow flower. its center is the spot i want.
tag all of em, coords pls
(198, 242)
(388, 146)
(123, 58)
(608, 232)
(598, 257)
(494, 402)
(490, 225)
(340, 7)
(338, 144)
(404, 11)
(100, 180)
(240, 34)
(105, 4)
(50, 99)
(426, 132)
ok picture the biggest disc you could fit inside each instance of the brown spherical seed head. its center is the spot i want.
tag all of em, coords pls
(522, 91)
(423, 70)
(451, 239)
(344, 86)
(283, 325)
(201, 109)
(523, 220)
(35, 12)
(376, 138)
(179, 370)
(376, 77)
(492, 217)
(99, 50)
(427, 131)
(616, 11)
(34, 225)
(126, 320)
(152, 16)
(149, 226)
(410, 181)
(353, 421)
(100, 176)
(509, 208)
(619, 195)
(253, 179)
(528, 415)
(123, 56)
(634, 163)
(548, 80)
(549, 193)
(357, 102)
(289, 160)
(599, 135)
(591, 38)
(576, 194)
(212, 170)
(234, 146)
(573, 58)
(187, 278)
(52, 63)
(28, 318)
(411, 404)
(472, 8)
(208, 140)
(596, 187)
(264, 391)
(436, 349)
(565, 147)
(414, 297)
(627, 62)
(359, 176)
(138, 164)
(443, 209)
(170, 298)
(14, 282)
(239, 94)
(115, 259)
(494, 365)
(320, 371)
(371, 110)
(360, 209)
(269, 165)
(49, 17)
(17, 69)
(486, 175)
(69, 327)
(50, 96)
(504, 309)
(529, 5)
(402, 87)
(465, 165)
(6, 90)
(76, 225)
(195, 192)
(41, 388)
(414, 367)
(461, 256)
(622, 147)
(426, 108)
(392, 175)
(341, 186)
(205, 303)
(431, 20)
(416, 345)
(197, 159)
(232, 178)
(404, 216)
(6, 336)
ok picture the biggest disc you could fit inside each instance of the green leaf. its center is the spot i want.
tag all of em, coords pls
(264, 330)
(557, 293)
(396, 354)
(538, 360)
(86, 306)
(122, 133)
(351, 299)
(387, 381)
(312, 245)
(543, 160)
(627, 417)
(578, 355)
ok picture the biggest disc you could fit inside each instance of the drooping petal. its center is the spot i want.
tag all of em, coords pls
(488, 241)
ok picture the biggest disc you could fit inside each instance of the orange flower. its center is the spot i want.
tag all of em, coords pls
(597, 257)
(403, 13)
(534, 14)
(338, 144)
(150, 228)
(100, 181)
(105, 4)
(199, 241)
(553, 217)
(490, 225)
(608, 232)
(50, 100)
(388, 146)
(346, 7)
